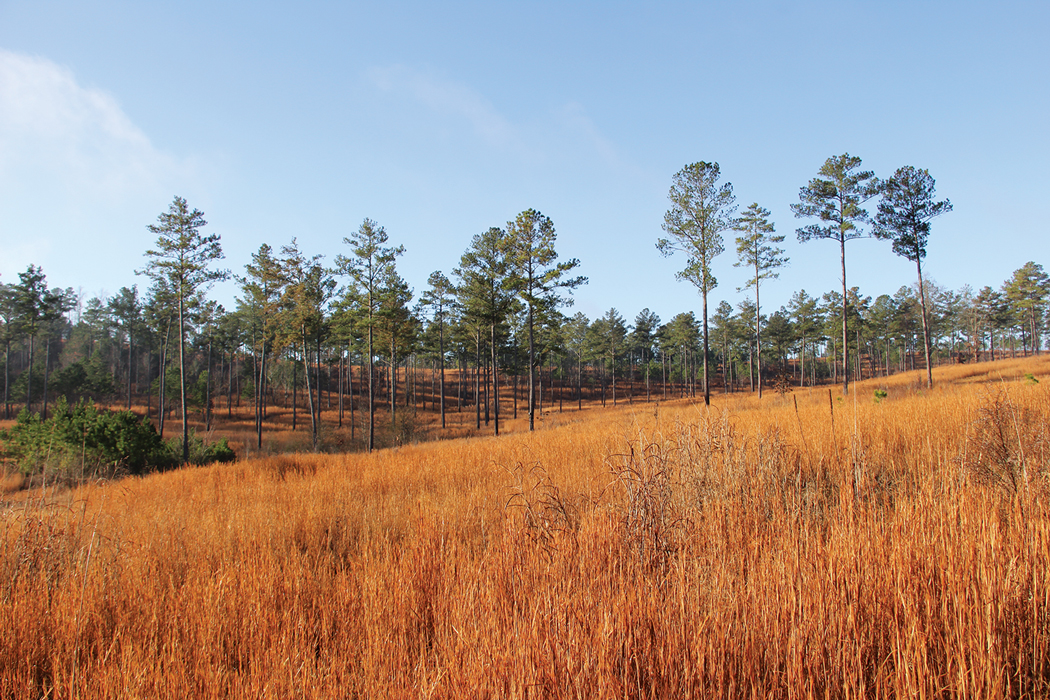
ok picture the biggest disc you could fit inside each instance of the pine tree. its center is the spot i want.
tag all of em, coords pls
(905, 212)
(486, 293)
(538, 278)
(835, 197)
(181, 262)
(366, 267)
(262, 287)
(757, 250)
(439, 298)
(700, 212)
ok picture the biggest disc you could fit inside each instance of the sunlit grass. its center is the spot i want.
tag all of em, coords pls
(806, 544)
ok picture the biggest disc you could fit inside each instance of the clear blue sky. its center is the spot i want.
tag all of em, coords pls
(439, 120)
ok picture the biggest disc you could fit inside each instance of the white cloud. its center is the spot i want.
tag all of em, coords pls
(79, 180)
(58, 134)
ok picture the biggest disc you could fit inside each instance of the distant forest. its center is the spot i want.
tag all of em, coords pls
(349, 335)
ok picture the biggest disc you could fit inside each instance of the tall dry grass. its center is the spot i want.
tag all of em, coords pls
(800, 546)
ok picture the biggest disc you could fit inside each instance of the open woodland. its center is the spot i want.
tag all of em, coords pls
(891, 543)
(477, 495)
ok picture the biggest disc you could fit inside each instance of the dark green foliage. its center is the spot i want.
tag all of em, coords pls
(201, 453)
(82, 439)
(88, 378)
(83, 378)
(83, 435)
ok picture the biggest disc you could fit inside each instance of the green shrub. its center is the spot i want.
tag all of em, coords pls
(85, 437)
(201, 453)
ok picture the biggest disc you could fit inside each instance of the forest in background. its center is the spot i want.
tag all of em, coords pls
(342, 338)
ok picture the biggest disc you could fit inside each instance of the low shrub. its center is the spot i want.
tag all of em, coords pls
(81, 438)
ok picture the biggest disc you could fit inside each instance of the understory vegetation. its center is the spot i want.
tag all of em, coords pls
(892, 544)
(82, 440)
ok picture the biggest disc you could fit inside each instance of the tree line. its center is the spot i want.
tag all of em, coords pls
(355, 331)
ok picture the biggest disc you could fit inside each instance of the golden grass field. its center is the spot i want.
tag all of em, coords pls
(804, 545)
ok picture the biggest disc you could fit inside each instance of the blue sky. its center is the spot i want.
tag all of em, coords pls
(439, 120)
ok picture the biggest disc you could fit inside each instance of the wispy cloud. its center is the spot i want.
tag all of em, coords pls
(574, 119)
(450, 98)
(55, 131)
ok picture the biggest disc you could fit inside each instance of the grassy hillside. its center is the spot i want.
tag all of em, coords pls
(803, 545)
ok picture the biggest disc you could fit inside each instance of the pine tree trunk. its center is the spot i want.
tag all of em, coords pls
(131, 363)
(207, 393)
(707, 386)
(7, 380)
(309, 390)
(371, 389)
(845, 337)
(758, 333)
(29, 384)
(229, 388)
(441, 350)
(163, 396)
(182, 382)
(495, 378)
(532, 368)
(47, 363)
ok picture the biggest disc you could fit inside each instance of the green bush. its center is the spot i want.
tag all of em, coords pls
(82, 438)
(201, 453)
(85, 436)
(83, 378)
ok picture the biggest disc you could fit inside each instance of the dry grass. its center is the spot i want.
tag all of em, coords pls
(754, 549)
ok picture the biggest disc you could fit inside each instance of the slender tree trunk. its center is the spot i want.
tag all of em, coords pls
(732, 374)
(845, 336)
(645, 358)
(663, 362)
(229, 387)
(317, 381)
(802, 361)
(371, 387)
(835, 364)
(495, 377)
(707, 385)
(7, 380)
(860, 366)
(164, 376)
(392, 385)
(758, 332)
(751, 365)
(47, 363)
(149, 380)
(925, 327)
(131, 363)
(29, 384)
(532, 367)
(441, 351)
(539, 394)
(309, 391)
(182, 382)
(350, 388)
(207, 393)
(603, 381)
(579, 381)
